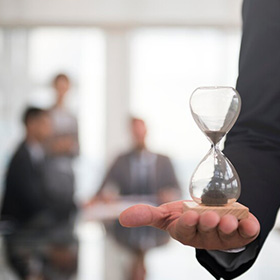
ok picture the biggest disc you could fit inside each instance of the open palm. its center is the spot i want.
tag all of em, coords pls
(207, 231)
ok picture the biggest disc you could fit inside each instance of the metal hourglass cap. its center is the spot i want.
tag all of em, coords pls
(215, 181)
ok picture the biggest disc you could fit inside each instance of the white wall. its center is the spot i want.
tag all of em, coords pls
(120, 12)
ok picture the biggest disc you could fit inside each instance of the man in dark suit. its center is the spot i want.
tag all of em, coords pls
(39, 245)
(145, 175)
(24, 194)
(227, 247)
(23, 197)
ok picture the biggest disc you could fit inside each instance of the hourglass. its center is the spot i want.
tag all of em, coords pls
(215, 184)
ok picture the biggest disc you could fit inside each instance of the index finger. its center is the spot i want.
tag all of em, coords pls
(185, 228)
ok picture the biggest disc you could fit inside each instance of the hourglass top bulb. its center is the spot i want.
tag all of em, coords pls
(215, 181)
(215, 110)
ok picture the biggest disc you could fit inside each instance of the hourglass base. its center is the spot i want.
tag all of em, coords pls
(236, 209)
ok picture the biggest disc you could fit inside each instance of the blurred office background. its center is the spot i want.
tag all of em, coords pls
(124, 57)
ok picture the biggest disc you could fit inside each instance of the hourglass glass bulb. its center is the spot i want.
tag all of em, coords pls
(215, 180)
(215, 110)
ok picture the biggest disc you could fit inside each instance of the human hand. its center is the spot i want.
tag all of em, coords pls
(206, 231)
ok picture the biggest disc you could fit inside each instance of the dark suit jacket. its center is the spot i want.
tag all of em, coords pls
(253, 145)
(24, 189)
(120, 174)
(27, 197)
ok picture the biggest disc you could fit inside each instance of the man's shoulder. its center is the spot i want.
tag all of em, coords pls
(128, 154)
(124, 155)
(162, 157)
(21, 149)
(21, 153)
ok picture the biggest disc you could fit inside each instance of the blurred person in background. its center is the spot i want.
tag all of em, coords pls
(25, 203)
(63, 147)
(141, 174)
(42, 245)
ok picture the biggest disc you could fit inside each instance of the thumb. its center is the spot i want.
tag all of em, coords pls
(140, 215)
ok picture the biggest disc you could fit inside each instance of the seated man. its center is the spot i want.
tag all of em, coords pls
(143, 175)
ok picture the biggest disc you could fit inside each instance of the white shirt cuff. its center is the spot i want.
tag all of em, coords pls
(234, 251)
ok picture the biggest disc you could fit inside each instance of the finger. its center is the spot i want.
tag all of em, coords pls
(141, 215)
(207, 229)
(227, 230)
(204, 233)
(185, 228)
(249, 228)
(208, 222)
(228, 225)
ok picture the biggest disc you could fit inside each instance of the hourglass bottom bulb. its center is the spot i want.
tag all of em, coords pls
(215, 180)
